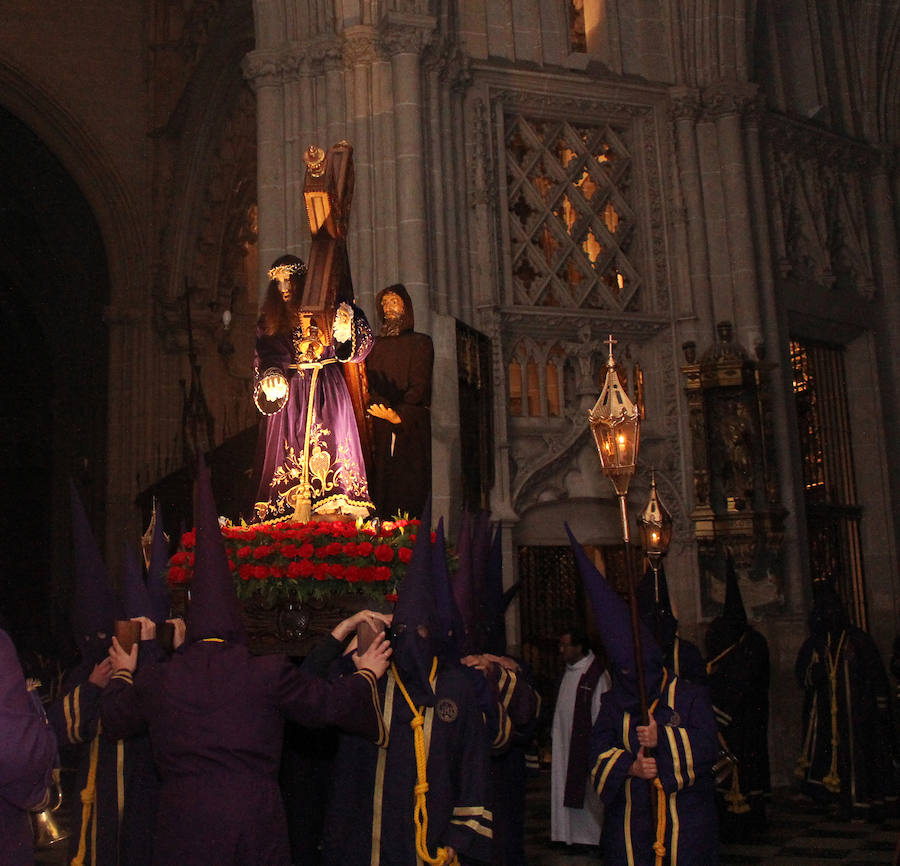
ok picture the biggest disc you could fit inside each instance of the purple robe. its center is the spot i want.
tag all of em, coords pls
(27, 758)
(337, 471)
(215, 715)
(121, 811)
(686, 751)
(373, 796)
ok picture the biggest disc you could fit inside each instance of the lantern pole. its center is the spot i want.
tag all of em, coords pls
(615, 424)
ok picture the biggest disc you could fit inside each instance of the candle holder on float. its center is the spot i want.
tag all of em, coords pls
(616, 427)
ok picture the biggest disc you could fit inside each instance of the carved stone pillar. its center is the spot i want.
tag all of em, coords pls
(263, 70)
(726, 104)
(403, 41)
(697, 297)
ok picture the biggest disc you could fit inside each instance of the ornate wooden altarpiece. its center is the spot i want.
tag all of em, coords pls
(737, 507)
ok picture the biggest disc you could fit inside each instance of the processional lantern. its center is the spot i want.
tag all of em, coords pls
(616, 426)
(655, 527)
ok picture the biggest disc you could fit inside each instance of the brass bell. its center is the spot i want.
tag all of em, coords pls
(47, 830)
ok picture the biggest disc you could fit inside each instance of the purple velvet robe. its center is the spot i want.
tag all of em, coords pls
(119, 830)
(337, 470)
(27, 758)
(215, 715)
(686, 751)
(370, 815)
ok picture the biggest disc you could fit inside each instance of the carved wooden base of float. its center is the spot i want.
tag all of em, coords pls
(285, 626)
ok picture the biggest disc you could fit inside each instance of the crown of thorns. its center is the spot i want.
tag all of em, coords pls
(284, 272)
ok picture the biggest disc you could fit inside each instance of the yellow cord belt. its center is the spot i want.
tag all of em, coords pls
(420, 815)
(833, 781)
(88, 797)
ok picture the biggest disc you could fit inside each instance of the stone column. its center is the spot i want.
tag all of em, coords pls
(403, 44)
(726, 103)
(695, 299)
(263, 70)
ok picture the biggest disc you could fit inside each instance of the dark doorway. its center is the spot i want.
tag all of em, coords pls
(53, 363)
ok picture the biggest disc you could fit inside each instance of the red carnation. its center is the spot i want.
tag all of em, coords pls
(179, 558)
(351, 548)
(334, 548)
(262, 551)
(391, 597)
(306, 550)
(320, 571)
(245, 572)
(244, 551)
(364, 548)
(289, 551)
(189, 539)
(294, 569)
(382, 572)
(177, 574)
(404, 554)
(384, 553)
(352, 574)
(260, 572)
(305, 568)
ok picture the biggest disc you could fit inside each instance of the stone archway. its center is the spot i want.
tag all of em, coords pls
(54, 286)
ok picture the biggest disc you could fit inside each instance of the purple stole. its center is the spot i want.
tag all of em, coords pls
(580, 744)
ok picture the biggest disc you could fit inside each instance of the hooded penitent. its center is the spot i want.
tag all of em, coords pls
(613, 621)
(94, 607)
(828, 616)
(415, 624)
(160, 599)
(655, 608)
(727, 628)
(214, 610)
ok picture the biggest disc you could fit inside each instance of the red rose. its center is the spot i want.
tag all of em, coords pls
(404, 554)
(384, 553)
(244, 551)
(364, 548)
(307, 550)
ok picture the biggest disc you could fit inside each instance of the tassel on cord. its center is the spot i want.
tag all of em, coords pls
(659, 847)
(420, 815)
(88, 797)
(833, 781)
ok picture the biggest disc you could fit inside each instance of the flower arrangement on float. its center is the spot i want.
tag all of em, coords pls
(309, 561)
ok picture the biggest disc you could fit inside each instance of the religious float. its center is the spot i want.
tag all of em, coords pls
(296, 581)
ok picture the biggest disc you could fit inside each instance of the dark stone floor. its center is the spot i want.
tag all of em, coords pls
(799, 834)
